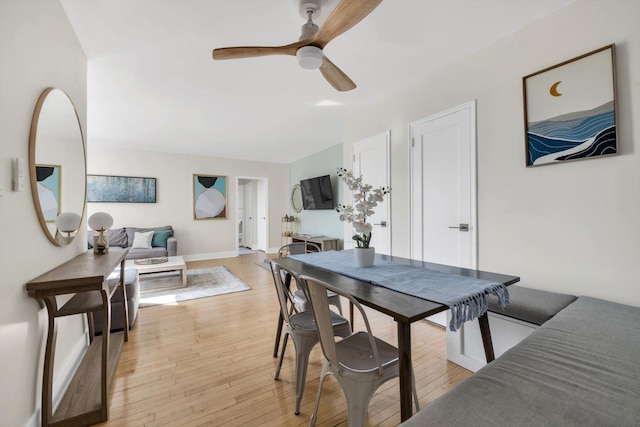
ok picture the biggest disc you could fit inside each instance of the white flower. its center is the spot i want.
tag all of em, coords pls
(365, 198)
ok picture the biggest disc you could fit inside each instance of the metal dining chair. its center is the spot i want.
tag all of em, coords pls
(360, 362)
(302, 329)
(299, 298)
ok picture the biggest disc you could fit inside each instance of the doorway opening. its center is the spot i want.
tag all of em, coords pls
(252, 227)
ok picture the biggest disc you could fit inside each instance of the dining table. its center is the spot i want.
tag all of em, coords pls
(405, 309)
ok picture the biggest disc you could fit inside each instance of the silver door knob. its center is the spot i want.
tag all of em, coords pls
(382, 223)
(461, 227)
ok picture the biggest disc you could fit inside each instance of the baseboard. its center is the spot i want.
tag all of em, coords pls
(34, 420)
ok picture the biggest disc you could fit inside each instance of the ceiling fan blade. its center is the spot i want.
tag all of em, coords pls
(254, 51)
(345, 15)
(335, 76)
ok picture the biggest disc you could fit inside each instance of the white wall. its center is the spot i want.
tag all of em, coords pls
(325, 162)
(568, 227)
(38, 49)
(201, 239)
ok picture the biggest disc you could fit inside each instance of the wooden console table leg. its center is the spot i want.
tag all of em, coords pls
(106, 335)
(123, 299)
(92, 326)
(47, 374)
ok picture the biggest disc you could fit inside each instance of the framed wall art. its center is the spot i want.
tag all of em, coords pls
(209, 197)
(120, 189)
(48, 179)
(570, 109)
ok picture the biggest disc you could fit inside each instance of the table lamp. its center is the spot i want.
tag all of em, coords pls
(100, 222)
(66, 222)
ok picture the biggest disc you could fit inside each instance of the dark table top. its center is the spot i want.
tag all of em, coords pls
(403, 308)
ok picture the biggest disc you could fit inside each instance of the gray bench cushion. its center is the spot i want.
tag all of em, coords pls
(581, 368)
(531, 305)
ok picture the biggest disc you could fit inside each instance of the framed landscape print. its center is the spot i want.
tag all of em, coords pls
(120, 189)
(570, 110)
(48, 179)
(209, 197)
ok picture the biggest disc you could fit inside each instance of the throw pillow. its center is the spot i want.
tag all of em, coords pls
(142, 240)
(160, 238)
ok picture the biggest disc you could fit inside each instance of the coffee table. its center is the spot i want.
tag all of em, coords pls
(174, 263)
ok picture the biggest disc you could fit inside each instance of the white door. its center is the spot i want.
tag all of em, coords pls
(371, 160)
(443, 188)
(249, 209)
(261, 213)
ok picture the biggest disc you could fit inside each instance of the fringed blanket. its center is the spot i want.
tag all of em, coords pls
(467, 298)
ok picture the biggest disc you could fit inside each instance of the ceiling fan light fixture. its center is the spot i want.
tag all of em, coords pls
(310, 57)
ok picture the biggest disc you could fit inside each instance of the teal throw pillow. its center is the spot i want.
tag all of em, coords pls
(159, 239)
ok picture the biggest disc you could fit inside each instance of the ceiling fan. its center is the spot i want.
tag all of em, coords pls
(313, 40)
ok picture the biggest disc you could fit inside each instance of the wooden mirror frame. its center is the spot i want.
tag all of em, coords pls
(59, 119)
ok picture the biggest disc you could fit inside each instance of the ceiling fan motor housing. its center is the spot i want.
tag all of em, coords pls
(310, 57)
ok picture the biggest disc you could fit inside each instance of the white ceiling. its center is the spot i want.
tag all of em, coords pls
(153, 85)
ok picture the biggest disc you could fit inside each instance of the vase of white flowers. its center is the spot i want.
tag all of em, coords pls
(365, 198)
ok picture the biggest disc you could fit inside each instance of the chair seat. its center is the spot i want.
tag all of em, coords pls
(305, 320)
(354, 353)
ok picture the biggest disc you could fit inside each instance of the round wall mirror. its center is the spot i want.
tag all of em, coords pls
(57, 166)
(296, 198)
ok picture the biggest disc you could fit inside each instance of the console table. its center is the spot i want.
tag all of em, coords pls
(86, 399)
(325, 243)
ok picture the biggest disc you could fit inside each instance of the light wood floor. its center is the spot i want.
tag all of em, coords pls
(209, 362)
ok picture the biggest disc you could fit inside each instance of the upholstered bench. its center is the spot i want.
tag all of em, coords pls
(132, 285)
(580, 368)
(531, 305)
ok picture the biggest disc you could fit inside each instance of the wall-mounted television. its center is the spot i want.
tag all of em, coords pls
(317, 193)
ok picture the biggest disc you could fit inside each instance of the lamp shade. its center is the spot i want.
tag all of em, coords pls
(68, 222)
(100, 221)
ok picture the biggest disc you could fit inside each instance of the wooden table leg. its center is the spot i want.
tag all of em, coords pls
(287, 285)
(278, 335)
(483, 321)
(404, 354)
(351, 314)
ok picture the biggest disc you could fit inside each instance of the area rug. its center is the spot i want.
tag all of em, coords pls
(166, 288)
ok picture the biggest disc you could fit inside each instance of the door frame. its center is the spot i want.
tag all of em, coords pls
(369, 140)
(261, 196)
(473, 226)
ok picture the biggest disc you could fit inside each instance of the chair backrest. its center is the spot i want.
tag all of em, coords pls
(285, 297)
(297, 249)
(316, 291)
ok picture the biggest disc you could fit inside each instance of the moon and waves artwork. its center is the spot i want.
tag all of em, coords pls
(570, 110)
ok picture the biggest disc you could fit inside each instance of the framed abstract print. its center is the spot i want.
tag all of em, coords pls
(570, 110)
(209, 197)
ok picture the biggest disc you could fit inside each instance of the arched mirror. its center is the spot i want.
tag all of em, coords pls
(57, 166)
(296, 198)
